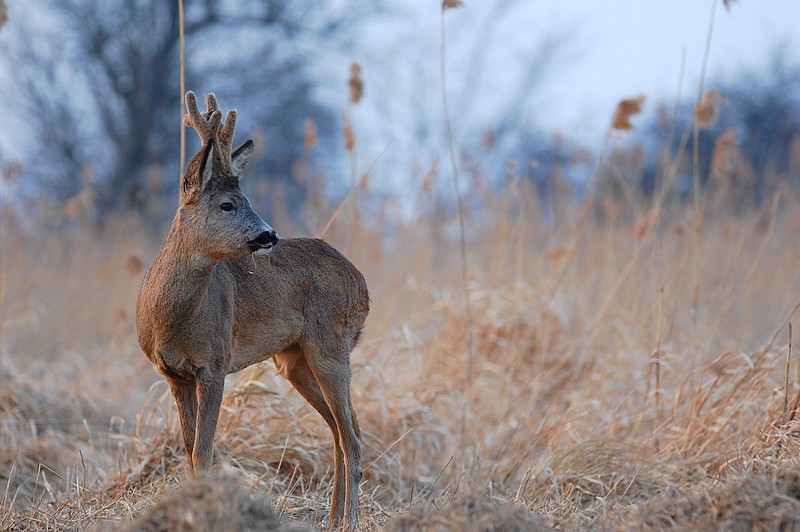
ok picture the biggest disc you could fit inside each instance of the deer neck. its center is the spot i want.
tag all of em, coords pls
(183, 274)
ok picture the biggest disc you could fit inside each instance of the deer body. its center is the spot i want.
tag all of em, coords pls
(224, 293)
(247, 310)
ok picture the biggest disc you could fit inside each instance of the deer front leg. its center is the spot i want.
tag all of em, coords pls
(186, 399)
(209, 398)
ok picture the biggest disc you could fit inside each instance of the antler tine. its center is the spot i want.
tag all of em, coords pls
(225, 135)
(205, 126)
(211, 105)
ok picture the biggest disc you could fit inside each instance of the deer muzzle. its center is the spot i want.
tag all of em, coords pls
(262, 244)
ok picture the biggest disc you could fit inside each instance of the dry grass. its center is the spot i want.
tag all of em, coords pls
(197, 506)
(600, 397)
(481, 513)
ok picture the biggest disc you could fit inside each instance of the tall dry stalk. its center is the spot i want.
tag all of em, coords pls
(668, 177)
(356, 86)
(785, 416)
(449, 4)
(658, 355)
(620, 120)
(356, 90)
(351, 192)
(696, 192)
(182, 54)
(5, 215)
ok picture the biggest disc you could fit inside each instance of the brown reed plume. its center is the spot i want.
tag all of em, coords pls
(3, 13)
(356, 87)
(355, 83)
(310, 134)
(707, 111)
(349, 139)
(625, 110)
(724, 150)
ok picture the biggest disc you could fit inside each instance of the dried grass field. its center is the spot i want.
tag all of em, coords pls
(624, 365)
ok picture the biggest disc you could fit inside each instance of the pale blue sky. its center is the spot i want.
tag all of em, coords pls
(635, 46)
(610, 50)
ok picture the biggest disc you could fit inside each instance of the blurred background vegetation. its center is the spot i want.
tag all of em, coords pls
(95, 109)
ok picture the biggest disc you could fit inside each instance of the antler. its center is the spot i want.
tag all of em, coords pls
(207, 126)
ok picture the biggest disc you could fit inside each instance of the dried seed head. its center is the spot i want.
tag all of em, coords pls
(489, 139)
(555, 256)
(310, 132)
(121, 315)
(87, 175)
(625, 110)
(154, 178)
(794, 153)
(645, 223)
(663, 117)
(706, 111)
(427, 181)
(300, 172)
(349, 139)
(726, 153)
(3, 13)
(364, 183)
(580, 156)
(259, 137)
(355, 83)
(451, 4)
(79, 206)
(13, 170)
(133, 264)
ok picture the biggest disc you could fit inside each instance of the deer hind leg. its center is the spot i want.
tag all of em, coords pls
(303, 380)
(209, 398)
(354, 418)
(186, 399)
(333, 375)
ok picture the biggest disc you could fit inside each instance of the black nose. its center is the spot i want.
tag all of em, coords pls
(270, 237)
(265, 240)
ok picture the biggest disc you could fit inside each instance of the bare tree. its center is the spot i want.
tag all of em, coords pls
(103, 77)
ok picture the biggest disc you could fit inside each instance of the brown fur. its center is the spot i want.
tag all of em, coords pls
(207, 309)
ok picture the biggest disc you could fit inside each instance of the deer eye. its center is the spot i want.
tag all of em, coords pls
(227, 206)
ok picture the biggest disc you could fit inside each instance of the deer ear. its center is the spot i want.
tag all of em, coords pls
(241, 157)
(198, 174)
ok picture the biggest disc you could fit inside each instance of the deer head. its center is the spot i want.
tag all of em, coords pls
(215, 216)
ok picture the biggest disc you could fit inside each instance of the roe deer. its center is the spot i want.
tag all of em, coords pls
(206, 308)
